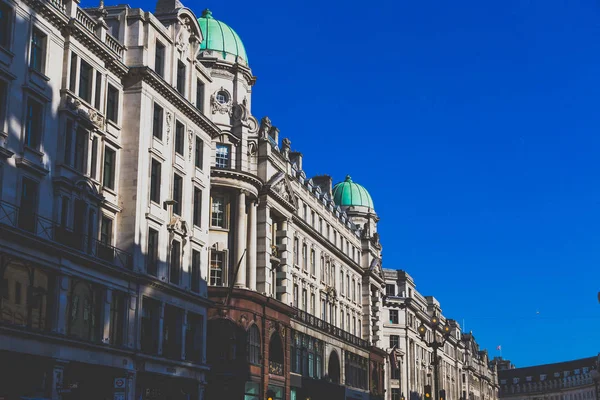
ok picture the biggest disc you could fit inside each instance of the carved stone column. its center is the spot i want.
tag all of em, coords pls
(251, 254)
(240, 242)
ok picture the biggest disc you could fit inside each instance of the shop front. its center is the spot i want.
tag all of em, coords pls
(23, 375)
(150, 386)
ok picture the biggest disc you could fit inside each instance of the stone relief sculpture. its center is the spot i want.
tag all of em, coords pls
(169, 118)
(286, 146)
(265, 127)
(190, 142)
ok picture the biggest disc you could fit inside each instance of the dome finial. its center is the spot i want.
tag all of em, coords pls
(348, 178)
(207, 13)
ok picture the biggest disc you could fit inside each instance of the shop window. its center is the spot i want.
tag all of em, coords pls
(194, 338)
(24, 294)
(117, 318)
(275, 392)
(252, 391)
(149, 325)
(253, 350)
(157, 121)
(85, 312)
(276, 358)
(172, 325)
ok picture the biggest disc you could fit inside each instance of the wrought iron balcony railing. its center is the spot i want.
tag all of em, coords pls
(47, 229)
(329, 328)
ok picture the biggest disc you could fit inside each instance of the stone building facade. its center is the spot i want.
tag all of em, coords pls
(103, 289)
(464, 370)
(569, 380)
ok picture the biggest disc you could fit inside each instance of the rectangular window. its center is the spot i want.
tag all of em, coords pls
(157, 122)
(393, 316)
(28, 206)
(179, 136)
(197, 207)
(108, 180)
(38, 50)
(304, 299)
(117, 317)
(395, 393)
(199, 94)
(175, 265)
(152, 257)
(81, 138)
(94, 159)
(33, 123)
(177, 193)
(199, 156)
(5, 25)
(85, 81)
(106, 230)
(73, 73)
(159, 59)
(195, 284)
(217, 262)
(218, 212)
(390, 290)
(394, 341)
(194, 338)
(97, 96)
(181, 77)
(150, 325)
(296, 295)
(222, 156)
(112, 104)
(155, 172)
(68, 142)
(312, 262)
(312, 304)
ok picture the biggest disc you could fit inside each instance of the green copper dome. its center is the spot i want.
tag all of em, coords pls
(348, 193)
(220, 37)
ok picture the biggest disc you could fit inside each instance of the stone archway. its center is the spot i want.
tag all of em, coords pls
(333, 369)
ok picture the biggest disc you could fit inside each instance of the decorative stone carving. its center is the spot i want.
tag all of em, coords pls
(241, 111)
(96, 118)
(221, 108)
(281, 188)
(252, 148)
(184, 36)
(169, 119)
(265, 126)
(252, 125)
(286, 146)
(190, 142)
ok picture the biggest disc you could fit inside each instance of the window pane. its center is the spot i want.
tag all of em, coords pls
(38, 44)
(222, 156)
(199, 153)
(175, 266)
(157, 121)
(112, 104)
(5, 25)
(159, 59)
(85, 81)
(195, 284)
(179, 135)
(152, 256)
(155, 181)
(216, 268)
(33, 127)
(109, 168)
(180, 77)
(177, 193)
(218, 212)
(197, 206)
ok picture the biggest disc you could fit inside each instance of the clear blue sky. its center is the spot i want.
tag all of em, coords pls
(474, 126)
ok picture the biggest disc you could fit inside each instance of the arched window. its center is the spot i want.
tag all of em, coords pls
(254, 345)
(23, 296)
(333, 369)
(275, 355)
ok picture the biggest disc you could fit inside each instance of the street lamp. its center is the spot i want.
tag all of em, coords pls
(434, 325)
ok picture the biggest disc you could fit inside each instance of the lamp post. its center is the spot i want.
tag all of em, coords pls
(434, 324)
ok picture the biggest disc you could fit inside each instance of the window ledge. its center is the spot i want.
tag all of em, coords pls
(6, 56)
(109, 190)
(218, 228)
